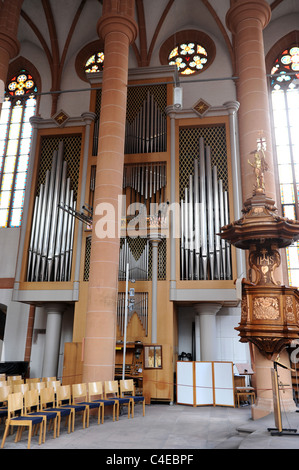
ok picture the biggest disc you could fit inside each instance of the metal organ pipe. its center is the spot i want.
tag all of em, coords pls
(52, 231)
(203, 212)
(204, 209)
(140, 308)
(147, 132)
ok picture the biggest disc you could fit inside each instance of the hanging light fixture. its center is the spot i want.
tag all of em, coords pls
(177, 91)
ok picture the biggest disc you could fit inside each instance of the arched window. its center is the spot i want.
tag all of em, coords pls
(189, 58)
(192, 51)
(95, 63)
(15, 141)
(285, 105)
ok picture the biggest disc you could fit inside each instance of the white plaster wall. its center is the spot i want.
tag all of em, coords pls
(15, 327)
(9, 243)
(229, 347)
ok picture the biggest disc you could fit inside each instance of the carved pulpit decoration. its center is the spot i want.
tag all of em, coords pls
(260, 166)
(269, 311)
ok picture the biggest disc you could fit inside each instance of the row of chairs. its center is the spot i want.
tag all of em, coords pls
(17, 379)
(51, 401)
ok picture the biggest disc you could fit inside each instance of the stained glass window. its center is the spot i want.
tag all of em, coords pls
(15, 141)
(284, 69)
(95, 63)
(285, 105)
(188, 57)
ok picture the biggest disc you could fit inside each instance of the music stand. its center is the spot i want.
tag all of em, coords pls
(279, 430)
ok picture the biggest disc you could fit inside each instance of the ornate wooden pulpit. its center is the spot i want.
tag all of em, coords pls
(269, 310)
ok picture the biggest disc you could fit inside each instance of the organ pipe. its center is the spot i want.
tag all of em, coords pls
(52, 230)
(147, 132)
(140, 307)
(204, 209)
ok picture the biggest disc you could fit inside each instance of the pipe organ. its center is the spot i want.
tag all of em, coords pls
(204, 209)
(138, 306)
(52, 231)
(145, 183)
(147, 132)
(138, 260)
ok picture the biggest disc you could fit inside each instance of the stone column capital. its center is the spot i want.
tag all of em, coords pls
(207, 308)
(110, 23)
(54, 307)
(232, 106)
(246, 9)
(88, 117)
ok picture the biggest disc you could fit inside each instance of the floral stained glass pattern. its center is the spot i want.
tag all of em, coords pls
(95, 63)
(15, 141)
(285, 68)
(189, 58)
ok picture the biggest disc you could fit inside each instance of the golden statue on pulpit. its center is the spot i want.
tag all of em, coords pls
(260, 166)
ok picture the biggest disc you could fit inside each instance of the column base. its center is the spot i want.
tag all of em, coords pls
(264, 406)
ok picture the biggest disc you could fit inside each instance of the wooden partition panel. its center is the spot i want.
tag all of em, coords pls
(205, 383)
(185, 383)
(204, 390)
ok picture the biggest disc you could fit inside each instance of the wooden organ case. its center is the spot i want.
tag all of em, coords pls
(202, 164)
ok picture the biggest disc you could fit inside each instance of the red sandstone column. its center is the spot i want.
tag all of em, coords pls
(9, 45)
(247, 19)
(117, 27)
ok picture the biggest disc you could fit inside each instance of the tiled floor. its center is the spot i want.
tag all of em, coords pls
(171, 427)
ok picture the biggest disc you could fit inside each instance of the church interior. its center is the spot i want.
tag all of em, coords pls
(149, 196)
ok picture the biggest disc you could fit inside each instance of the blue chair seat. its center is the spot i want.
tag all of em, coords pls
(106, 402)
(48, 414)
(138, 398)
(34, 419)
(123, 400)
(75, 407)
(90, 404)
(63, 411)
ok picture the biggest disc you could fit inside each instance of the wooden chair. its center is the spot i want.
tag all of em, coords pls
(96, 393)
(3, 383)
(2, 377)
(48, 404)
(127, 389)
(64, 400)
(33, 402)
(48, 379)
(32, 406)
(16, 406)
(32, 380)
(54, 384)
(37, 386)
(4, 392)
(14, 377)
(241, 392)
(79, 392)
(111, 388)
(20, 388)
(15, 382)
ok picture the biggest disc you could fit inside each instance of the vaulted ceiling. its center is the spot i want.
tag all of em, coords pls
(62, 28)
